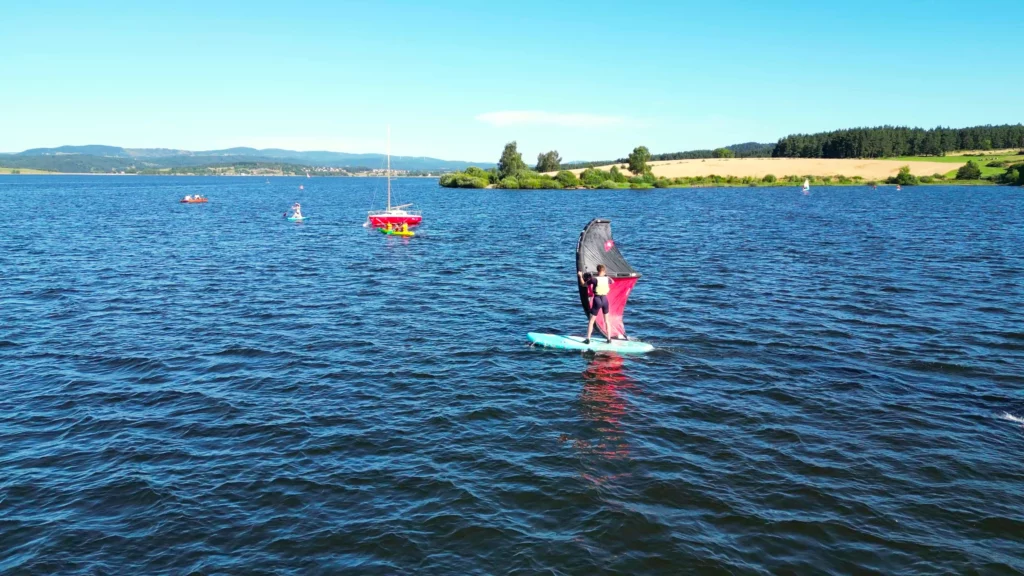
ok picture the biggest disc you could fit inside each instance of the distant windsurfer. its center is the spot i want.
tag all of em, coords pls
(600, 285)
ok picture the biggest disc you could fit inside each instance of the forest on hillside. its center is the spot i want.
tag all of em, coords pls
(890, 141)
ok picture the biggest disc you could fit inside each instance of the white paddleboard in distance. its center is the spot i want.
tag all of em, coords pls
(597, 344)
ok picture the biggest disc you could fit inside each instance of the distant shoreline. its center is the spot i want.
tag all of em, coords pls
(673, 186)
(38, 173)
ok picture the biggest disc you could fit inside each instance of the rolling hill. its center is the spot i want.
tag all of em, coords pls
(100, 158)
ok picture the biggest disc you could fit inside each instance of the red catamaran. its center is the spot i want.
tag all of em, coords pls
(394, 215)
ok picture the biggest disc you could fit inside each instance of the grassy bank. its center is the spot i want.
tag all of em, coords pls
(992, 165)
(790, 185)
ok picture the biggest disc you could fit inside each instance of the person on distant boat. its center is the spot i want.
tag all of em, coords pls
(405, 226)
(188, 197)
(600, 285)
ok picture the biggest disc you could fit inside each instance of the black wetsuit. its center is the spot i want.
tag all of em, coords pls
(599, 302)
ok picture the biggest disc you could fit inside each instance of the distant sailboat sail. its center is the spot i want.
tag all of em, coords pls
(807, 184)
(595, 247)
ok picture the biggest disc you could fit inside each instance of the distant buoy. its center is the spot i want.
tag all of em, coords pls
(301, 187)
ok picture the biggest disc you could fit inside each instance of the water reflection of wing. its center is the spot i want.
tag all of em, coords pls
(604, 402)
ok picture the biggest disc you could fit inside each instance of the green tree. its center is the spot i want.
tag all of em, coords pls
(769, 179)
(480, 173)
(904, 178)
(638, 160)
(511, 162)
(724, 153)
(549, 162)
(1019, 169)
(568, 179)
(509, 183)
(969, 171)
(617, 176)
(462, 180)
(1014, 175)
(593, 177)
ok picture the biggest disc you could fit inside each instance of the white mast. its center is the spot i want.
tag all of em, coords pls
(389, 167)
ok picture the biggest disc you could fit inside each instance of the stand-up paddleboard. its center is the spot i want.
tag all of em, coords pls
(294, 219)
(598, 344)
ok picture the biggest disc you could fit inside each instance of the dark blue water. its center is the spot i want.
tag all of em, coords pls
(210, 389)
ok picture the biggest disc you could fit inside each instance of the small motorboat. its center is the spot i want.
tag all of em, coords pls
(195, 200)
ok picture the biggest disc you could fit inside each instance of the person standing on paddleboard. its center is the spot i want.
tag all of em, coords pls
(600, 285)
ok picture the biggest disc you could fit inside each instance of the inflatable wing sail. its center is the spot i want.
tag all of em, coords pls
(597, 247)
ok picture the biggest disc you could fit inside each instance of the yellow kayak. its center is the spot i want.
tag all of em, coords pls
(406, 233)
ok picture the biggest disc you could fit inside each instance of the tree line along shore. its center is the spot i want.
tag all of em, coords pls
(639, 172)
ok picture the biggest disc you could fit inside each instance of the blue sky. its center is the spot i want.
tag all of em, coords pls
(457, 80)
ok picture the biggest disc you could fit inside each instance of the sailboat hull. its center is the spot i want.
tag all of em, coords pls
(382, 219)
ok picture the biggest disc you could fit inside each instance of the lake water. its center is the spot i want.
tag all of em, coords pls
(838, 384)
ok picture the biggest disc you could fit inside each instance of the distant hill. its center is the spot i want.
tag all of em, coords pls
(91, 150)
(98, 158)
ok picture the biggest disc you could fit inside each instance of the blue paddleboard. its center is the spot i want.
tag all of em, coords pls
(294, 219)
(597, 344)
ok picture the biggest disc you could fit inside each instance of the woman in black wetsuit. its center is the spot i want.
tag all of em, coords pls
(600, 285)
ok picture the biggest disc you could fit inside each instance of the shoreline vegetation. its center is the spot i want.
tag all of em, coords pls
(639, 174)
(869, 156)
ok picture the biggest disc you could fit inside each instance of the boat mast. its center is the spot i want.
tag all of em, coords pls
(389, 168)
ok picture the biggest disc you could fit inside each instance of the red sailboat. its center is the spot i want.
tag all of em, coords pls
(393, 215)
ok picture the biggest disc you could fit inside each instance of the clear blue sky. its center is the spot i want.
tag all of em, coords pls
(457, 80)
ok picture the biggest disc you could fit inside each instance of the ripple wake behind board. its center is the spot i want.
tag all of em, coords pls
(598, 344)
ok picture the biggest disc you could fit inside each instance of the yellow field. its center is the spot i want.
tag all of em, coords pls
(758, 167)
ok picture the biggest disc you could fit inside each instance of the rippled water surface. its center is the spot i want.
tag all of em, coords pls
(838, 384)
